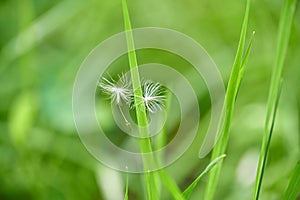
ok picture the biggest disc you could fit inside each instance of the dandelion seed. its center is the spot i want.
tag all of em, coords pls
(118, 92)
(153, 97)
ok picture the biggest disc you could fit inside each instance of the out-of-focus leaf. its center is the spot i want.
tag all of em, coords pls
(110, 183)
(22, 116)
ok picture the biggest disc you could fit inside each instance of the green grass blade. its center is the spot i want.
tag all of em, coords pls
(293, 189)
(231, 93)
(265, 155)
(282, 44)
(244, 64)
(145, 144)
(126, 188)
(285, 25)
(188, 191)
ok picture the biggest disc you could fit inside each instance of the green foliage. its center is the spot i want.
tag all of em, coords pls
(42, 45)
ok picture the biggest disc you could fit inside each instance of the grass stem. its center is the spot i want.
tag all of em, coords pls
(145, 143)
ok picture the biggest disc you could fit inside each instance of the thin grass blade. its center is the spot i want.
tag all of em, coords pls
(265, 156)
(244, 63)
(293, 189)
(231, 93)
(188, 191)
(286, 20)
(145, 144)
(126, 188)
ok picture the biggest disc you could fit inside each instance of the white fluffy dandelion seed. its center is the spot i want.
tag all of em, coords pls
(119, 91)
(153, 97)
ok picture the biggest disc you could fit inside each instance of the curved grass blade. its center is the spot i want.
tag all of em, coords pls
(286, 19)
(230, 97)
(293, 189)
(188, 191)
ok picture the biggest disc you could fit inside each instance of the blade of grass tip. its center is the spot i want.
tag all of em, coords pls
(230, 97)
(285, 24)
(244, 64)
(127, 185)
(293, 189)
(188, 191)
(145, 144)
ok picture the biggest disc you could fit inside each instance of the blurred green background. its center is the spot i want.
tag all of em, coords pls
(44, 42)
